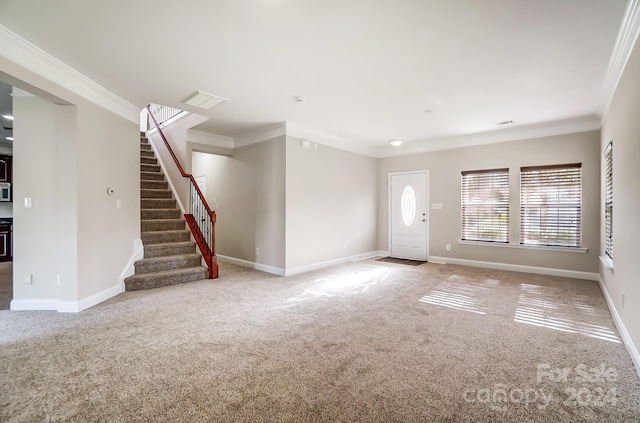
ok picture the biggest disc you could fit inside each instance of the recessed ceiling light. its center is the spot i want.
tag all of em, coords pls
(428, 111)
(203, 100)
(505, 122)
(8, 117)
(396, 143)
(9, 138)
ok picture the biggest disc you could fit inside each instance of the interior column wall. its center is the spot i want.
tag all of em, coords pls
(622, 126)
(44, 234)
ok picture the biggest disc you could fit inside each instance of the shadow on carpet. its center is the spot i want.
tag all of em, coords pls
(401, 261)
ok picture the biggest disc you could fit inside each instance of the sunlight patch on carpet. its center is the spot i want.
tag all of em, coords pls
(354, 282)
(561, 310)
(461, 296)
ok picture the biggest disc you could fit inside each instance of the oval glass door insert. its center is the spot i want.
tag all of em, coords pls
(408, 205)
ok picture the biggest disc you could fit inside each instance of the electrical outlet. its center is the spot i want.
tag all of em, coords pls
(29, 279)
(257, 251)
(344, 247)
(448, 247)
(622, 299)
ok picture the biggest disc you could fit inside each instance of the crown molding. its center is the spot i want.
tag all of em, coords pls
(23, 53)
(302, 132)
(627, 37)
(206, 138)
(547, 129)
(265, 133)
(540, 130)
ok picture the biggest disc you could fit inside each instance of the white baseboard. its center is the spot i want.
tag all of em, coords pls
(302, 269)
(90, 301)
(628, 342)
(251, 265)
(518, 268)
(66, 306)
(322, 265)
(129, 269)
(34, 304)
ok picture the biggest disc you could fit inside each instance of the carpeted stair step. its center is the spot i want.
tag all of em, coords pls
(165, 278)
(161, 225)
(150, 168)
(155, 193)
(157, 203)
(157, 264)
(151, 176)
(170, 256)
(148, 214)
(156, 185)
(148, 160)
(163, 237)
(169, 249)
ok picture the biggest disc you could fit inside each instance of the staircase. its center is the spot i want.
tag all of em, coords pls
(170, 256)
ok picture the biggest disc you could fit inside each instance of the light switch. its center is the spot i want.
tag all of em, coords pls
(27, 202)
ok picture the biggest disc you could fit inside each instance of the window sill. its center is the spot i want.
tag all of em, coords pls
(607, 262)
(580, 250)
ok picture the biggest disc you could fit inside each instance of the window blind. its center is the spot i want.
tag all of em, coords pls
(608, 200)
(485, 205)
(551, 205)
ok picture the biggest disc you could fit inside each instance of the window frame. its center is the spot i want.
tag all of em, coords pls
(608, 200)
(488, 180)
(558, 202)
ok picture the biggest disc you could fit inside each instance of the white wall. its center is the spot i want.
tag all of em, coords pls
(38, 230)
(67, 151)
(622, 126)
(324, 199)
(107, 156)
(331, 204)
(249, 188)
(444, 180)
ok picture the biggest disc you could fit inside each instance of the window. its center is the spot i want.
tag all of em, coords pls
(550, 205)
(485, 205)
(608, 200)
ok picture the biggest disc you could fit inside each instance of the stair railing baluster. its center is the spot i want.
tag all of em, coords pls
(200, 219)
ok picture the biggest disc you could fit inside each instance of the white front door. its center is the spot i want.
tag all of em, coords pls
(408, 215)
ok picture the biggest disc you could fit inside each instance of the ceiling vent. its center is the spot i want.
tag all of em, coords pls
(203, 100)
(505, 122)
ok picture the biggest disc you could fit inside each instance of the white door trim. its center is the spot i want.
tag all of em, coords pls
(389, 223)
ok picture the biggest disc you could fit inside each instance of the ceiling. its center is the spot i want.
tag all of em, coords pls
(370, 70)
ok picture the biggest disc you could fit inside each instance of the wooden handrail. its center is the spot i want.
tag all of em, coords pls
(207, 252)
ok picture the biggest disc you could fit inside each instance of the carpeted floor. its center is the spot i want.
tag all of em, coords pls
(360, 342)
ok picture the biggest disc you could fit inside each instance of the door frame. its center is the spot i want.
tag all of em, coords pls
(389, 205)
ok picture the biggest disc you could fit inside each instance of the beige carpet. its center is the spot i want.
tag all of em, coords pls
(361, 342)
